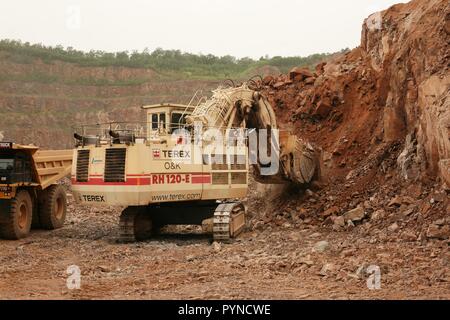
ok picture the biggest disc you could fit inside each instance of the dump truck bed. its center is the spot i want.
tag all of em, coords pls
(52, 165)
(47, 166)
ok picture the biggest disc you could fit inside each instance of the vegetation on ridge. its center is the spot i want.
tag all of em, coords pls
(172, 63)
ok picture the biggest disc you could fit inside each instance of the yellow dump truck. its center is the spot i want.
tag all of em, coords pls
(29, 195)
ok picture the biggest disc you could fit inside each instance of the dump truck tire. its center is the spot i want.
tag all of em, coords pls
(36, 223)
(53, 208)
(16, 223)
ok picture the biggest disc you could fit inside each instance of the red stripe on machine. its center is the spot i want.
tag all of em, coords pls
(201, 179)
(100, 182)
(137, 180)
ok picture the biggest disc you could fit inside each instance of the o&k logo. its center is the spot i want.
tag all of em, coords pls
(156, 153)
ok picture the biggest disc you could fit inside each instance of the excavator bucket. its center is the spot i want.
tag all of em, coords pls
(305, 163)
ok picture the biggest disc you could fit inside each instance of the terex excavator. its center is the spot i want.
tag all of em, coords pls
(163, 177)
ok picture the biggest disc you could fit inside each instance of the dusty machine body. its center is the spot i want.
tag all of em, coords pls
(174, 169)
(29, 195)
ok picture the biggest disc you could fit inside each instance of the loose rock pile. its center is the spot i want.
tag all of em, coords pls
(383, 133)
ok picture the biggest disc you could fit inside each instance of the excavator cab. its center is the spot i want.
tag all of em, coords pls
(164, 119)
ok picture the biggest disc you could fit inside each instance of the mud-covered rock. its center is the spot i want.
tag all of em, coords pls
(354, 215)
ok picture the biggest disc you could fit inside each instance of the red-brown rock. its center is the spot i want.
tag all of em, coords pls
(323, 109)
(268, 80)
(300, 74)
(320, 68)
(310, 80)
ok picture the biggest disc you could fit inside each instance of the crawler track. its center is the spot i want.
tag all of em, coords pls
(229, 221)
(135, 225)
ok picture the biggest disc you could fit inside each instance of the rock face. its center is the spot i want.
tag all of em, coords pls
(391, 90)
(409, 51)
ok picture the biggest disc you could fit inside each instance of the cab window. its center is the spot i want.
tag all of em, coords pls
(178, 120)
(162, 120)
(6, 164)
(18, 164)
(158, 121)
(155, 121)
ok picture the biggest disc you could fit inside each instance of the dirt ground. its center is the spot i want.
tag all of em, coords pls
(275, 263)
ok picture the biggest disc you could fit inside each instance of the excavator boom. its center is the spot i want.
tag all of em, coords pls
(245, 107)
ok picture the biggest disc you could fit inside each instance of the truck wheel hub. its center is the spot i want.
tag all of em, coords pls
(23, 216)
(59, 210)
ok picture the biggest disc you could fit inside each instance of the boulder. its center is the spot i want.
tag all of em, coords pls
(339, 222)
(436, 232)
(323, 109)
(216, 246)
(320, 68)
(279, 84)
(321, 246)
(331, 211)
(300, 74)
(268, 80)
(310, 80)
(395, 202)
(393, 227)
(356, 214)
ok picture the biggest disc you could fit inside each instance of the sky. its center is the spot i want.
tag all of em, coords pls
(241, 28)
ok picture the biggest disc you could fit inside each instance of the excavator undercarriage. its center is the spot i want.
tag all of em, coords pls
(139, 223)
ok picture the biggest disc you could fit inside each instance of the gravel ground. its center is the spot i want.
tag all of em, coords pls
(278, 262)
